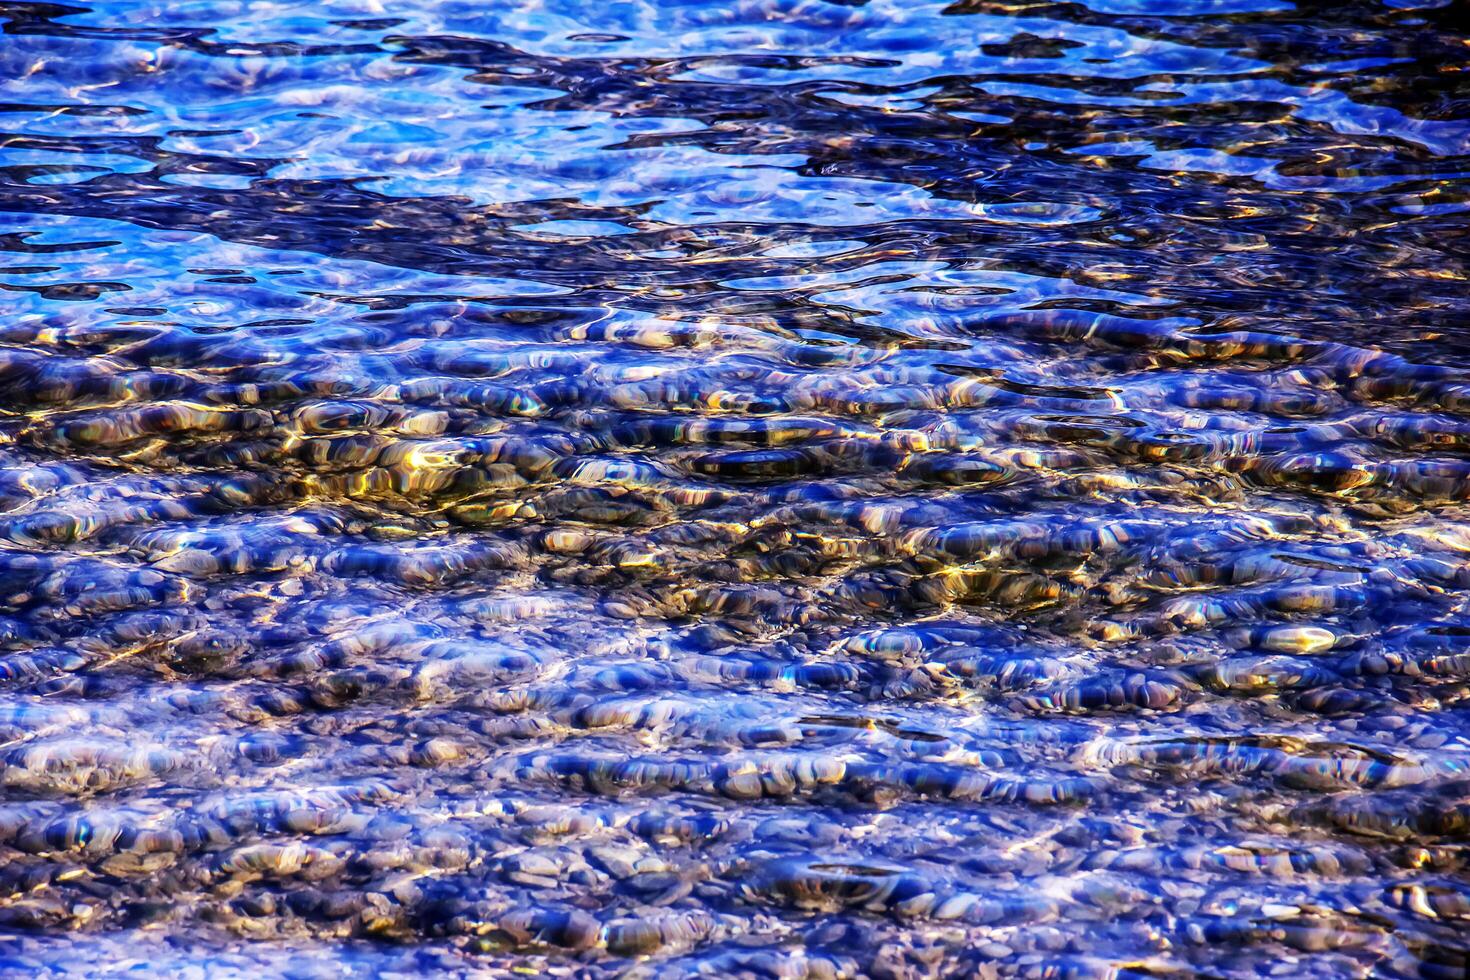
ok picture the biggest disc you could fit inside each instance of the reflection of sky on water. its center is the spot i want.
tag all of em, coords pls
(798, 488)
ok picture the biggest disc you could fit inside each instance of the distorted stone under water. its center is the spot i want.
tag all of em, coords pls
(796, 488)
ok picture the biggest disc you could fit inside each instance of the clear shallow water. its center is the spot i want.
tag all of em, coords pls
(771, 489)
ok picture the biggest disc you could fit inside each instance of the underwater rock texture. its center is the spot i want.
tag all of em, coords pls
(798, 488)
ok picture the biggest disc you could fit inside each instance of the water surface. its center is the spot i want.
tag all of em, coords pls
(798, 488)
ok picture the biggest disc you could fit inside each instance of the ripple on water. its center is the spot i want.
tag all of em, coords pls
(803, 488)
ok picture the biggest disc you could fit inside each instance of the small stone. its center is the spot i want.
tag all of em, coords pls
(1298, 639)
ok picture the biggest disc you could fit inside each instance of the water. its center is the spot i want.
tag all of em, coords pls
(785, 488)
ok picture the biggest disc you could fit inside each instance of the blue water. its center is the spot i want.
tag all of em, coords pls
(776, 489)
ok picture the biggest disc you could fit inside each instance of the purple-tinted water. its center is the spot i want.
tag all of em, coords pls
(793, 489)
